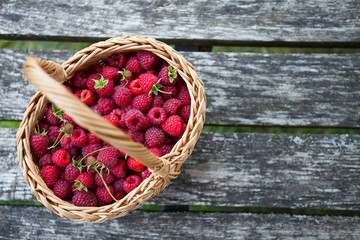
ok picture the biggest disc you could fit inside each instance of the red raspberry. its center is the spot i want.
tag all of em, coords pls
(171, 106)
(102, 194)
(171, 92)
(184, 96)
(111, 73)
(131, 182)
(172, 125)
(44, 127)
(50, 117)
(79, 138)
(123, 97)
(50, 174)
(87, 97)
(119, 185)
(91, 81)
(145, 174)
(117, 112)
(134, 119)
(106, 105)
(53, 150)
(164, 75)
(39, 143)
(108, 178)
(66, 143)
(135, 87)
(62, 175)
(134, 66)
(148, 60)
(184, 112)
(119, 170)
(158, 102)
(92, 139)
(104, 87)
(147, 81)
(156, 151)
(119, 195)
(96, 109)
(62, 189)
(112, 119)
(77, 92)
(142, 102)
(69, 119)
(53, 134)
(71, 173)
(45, 160)
(108, 156)
(166, 148)
(84, 181)
(154, 137)
(73, 151)
(117, 60)
(84, 199)
(87, 149)
(157, 115)
(61, 158)
(135, 165)
(79, 79)
(137, 136)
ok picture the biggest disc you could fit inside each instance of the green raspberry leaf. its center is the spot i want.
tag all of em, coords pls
(80, 186)
(100, 83)
(172, 74)
(57, 112)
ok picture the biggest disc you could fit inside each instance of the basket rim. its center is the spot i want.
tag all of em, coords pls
(178, 155)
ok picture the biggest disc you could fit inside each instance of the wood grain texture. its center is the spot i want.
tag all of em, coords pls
(31, 222)
(242, 89)
(236, 170)
(221, 22)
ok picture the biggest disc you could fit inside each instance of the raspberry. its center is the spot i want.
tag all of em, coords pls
(131, 182)
(91, 81)
(148, 60)
(158, 102)
(50, 117)
(184, 96)
(134, 119)
(172, 125)
(184, 112)
(53, 133)
(79, 138)
(164, 75)
(39, 143)
(142, 102)
(79, 79)
(108, 178)
(77, 92)
(135, 87)
(123, 97)
(89, 149)
(154, 136)
(146, 124)
(166, 148)
(66, 143)
(96, 109)
(84, 199)
(157, 115)
(92, 139)
(120, 195)
(50, 174)
(71, 173)
(148, 82)
(45, 160)
(171, 92)
(104, 87)
(136, 136)
(62, 175)
(135, 165)
(87, 97)
(119, 185)
(106, 105)
(61, 158)
(69, 119)
(73, 151)
(84, 181)
(102, 194)
(108, 156)
(156, 151)
(171, 106)
(110, 73)
(134, 66)
(119, 170)
(117, 60)
(44, 127)
(145, 174)
(62, 188)
(112, 119)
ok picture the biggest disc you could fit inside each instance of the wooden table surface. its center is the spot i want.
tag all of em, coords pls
(235, 185)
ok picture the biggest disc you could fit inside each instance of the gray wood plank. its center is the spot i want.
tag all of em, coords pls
(39, 223)
(280, 22)
(242, 89)
(241, 170)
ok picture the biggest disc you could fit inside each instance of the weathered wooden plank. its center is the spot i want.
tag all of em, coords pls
(237, 170)
(216, 22)
(30, 222)
(242, 89)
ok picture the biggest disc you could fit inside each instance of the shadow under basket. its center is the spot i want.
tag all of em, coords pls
(48, 76)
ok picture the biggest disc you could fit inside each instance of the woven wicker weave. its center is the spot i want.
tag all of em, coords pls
(163, 169)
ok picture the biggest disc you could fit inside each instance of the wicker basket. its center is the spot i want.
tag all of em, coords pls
(163, 169)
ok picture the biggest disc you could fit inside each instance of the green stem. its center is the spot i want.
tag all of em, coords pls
(106, 186)
(57, 143)
(80, 161)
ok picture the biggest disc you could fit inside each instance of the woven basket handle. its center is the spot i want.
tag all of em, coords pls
(38, 70)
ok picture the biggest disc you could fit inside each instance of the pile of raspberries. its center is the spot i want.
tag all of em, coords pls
(137, 92)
